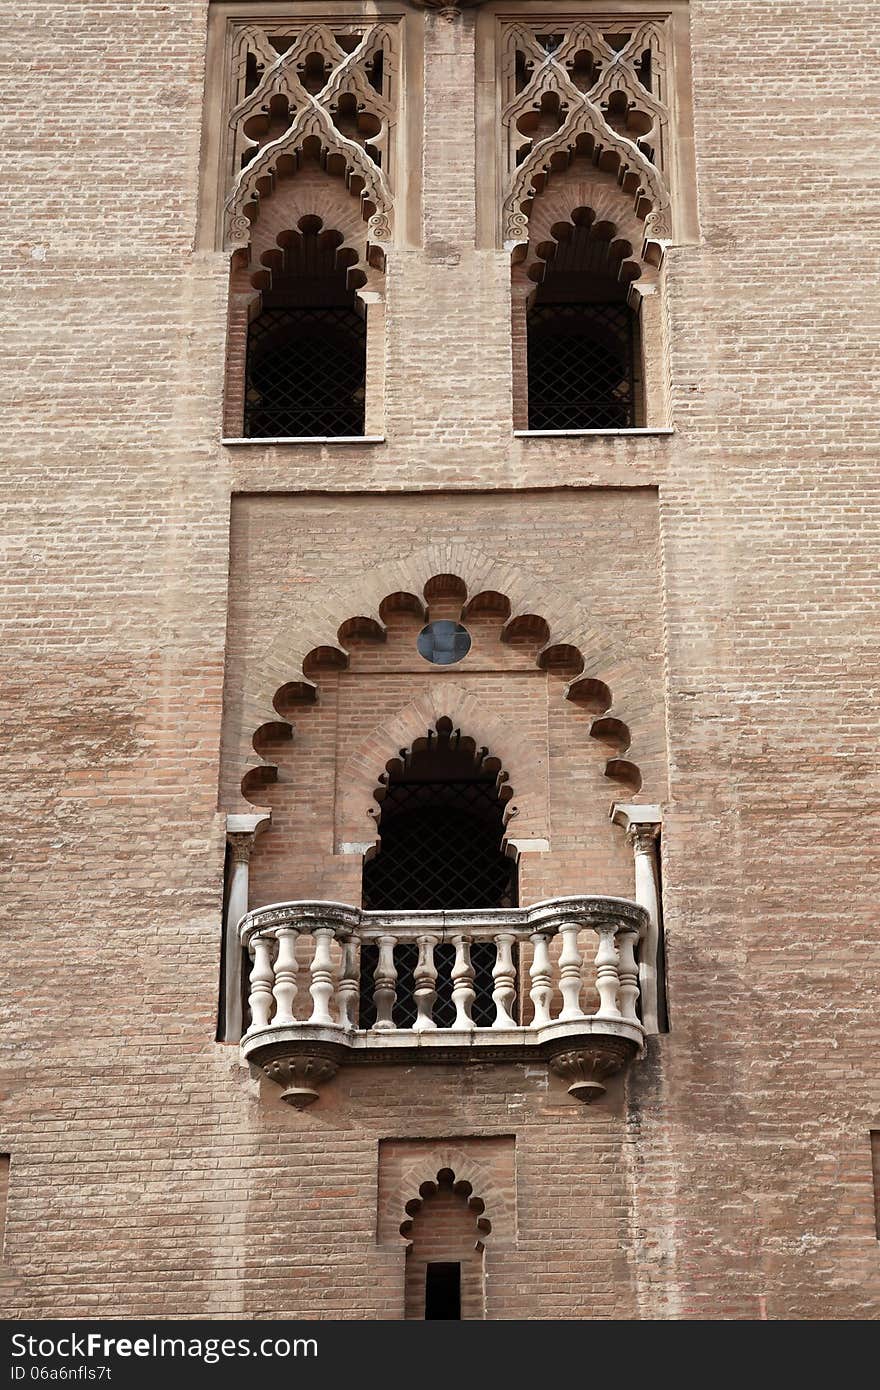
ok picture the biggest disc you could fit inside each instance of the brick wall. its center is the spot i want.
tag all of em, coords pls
(151, 1174)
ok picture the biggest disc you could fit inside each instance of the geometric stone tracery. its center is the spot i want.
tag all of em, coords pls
(325, 90)
(591, 91)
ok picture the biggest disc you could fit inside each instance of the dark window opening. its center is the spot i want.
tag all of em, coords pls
(584, 357)
(440, 831)
(306, 350)
(443, 1291)
(581, 366)
(440, 834)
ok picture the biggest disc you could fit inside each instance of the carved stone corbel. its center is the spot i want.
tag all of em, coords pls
(587, 1067)
(300, 1076)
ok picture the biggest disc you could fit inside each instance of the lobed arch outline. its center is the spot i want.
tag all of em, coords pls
(462, 1188)
(601, 677)
(586, 137)
(312, 132)
(254, 269)
(526, 809)
(493, 1205)
(594, 201)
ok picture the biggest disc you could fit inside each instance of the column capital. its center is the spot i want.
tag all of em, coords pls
(640, 822)
(242, 830)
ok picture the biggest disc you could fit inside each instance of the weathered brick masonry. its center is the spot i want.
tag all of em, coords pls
(724, 576)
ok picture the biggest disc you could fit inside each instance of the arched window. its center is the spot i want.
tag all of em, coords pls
(583, 349)
(440, 831)
(445, 1257)
(306, 346)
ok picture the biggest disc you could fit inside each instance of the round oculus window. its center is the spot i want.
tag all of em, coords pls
(444, 643)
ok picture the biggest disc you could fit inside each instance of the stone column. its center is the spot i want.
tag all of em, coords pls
(642, 825)
(241, 832)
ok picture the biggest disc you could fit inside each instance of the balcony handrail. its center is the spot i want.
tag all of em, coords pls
(300, 1049)
(346, 921)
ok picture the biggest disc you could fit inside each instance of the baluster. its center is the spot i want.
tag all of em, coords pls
(541, 975)
(385, 983)
(570, 962)
(321, 988)
(504, 976)
(629, 974)
(463, 992)
(425, 992)
(349, 990)
(607, 978)
(262, 977)
(286, 971)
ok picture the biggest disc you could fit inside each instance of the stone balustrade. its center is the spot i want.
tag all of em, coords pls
(309, 954)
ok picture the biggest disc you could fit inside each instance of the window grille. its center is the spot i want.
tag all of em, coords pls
(305, 372)
(581, 367)
(405, 959)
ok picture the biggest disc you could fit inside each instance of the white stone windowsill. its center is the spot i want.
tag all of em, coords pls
(579, 434)
(309, 439)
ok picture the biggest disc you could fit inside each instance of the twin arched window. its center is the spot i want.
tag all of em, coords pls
(306, 348)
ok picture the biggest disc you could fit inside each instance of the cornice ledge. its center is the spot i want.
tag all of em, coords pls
(444, 8)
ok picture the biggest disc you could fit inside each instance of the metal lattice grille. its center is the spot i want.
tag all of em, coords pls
(581, 367)
(440, 848)
(405, 959)
(305, 373)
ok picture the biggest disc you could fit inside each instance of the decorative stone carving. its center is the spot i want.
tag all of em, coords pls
(300, 1076)
(444, 9)
(600, 88)
(587, 1067)
(331, 89)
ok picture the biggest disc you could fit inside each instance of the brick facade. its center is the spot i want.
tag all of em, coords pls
(162, 588)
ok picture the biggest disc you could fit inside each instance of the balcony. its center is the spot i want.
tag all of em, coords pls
(424, 976)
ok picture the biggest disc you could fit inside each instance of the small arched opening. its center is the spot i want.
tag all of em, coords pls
(584, 356)
(446, 1229)
(307, 344)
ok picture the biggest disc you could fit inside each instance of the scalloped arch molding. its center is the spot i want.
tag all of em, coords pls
(605, 660)
(445, 699)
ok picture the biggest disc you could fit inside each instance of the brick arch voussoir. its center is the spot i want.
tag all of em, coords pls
(569, 623)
